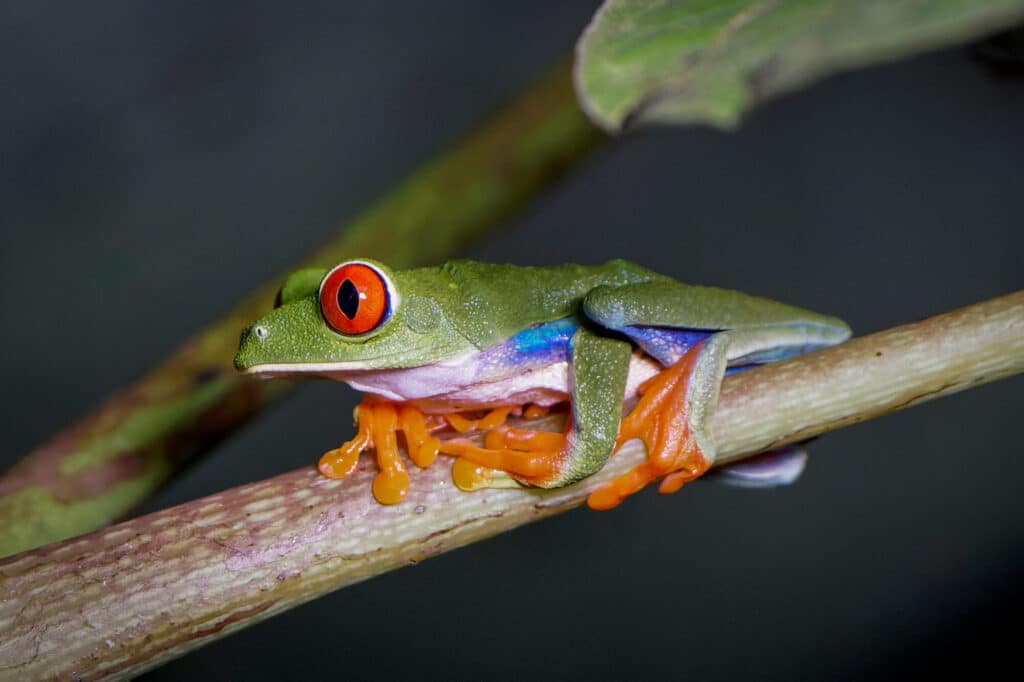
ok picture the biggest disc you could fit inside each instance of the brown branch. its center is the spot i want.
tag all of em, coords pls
(125, 599)
(100, 468)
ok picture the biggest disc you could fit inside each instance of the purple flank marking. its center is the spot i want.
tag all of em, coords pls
(768, 470)
(664, 344)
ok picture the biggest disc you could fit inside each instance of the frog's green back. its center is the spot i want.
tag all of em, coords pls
(488, 303)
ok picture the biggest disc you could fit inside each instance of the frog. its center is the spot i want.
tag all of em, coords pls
(466, 346)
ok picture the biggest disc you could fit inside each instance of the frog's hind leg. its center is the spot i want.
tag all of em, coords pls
(670, 419)
(696, 332)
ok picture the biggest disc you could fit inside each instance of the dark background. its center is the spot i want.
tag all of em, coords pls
(157, 161)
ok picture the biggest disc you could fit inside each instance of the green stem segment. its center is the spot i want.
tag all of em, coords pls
(127, 598)
(100, 468)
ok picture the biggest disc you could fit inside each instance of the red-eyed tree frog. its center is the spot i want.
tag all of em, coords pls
(430, 346)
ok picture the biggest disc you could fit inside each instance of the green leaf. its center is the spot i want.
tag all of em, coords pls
(708, 61)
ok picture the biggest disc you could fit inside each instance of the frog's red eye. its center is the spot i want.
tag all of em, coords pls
(354, 298)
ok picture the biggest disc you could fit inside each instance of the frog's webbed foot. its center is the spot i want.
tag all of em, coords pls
(662, 420)
(509, 457)
(379, 422)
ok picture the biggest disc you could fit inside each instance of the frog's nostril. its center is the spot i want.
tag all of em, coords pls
(260, 332)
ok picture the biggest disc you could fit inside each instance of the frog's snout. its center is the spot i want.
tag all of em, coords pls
(248, 346)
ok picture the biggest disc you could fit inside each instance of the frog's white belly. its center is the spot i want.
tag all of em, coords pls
(471, 381)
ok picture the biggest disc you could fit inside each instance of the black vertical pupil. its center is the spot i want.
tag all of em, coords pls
(348, 299)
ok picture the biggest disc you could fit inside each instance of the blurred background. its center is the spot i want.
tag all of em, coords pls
(159, 161)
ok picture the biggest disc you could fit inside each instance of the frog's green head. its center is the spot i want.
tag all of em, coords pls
(357, 316)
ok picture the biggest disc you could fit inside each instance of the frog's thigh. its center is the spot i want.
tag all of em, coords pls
(742, 329)
(668, 303)
(762, 330)
(599, 368)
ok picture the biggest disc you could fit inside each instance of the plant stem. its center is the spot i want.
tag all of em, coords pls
(101, 467)
(125, 599)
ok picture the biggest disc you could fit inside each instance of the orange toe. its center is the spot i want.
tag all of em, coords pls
(469, 476)
(507, 437)
(341, 462)
(533, 457)
(536, 466)
(422, 447)
(494, 418)
(392, 483)
(613, 493)
(536, 411)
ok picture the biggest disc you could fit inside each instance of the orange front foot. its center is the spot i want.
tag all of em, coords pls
(379, 422)
(660, 419)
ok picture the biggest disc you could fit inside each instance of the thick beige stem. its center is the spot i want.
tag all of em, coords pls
(870, 376)
(125, 599)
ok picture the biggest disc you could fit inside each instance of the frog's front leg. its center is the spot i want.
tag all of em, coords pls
(379, 422)
(599, 365)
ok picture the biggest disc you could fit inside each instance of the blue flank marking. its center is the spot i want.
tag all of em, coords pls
(551, 339)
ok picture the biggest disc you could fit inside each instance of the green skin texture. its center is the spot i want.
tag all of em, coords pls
(464, 307)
